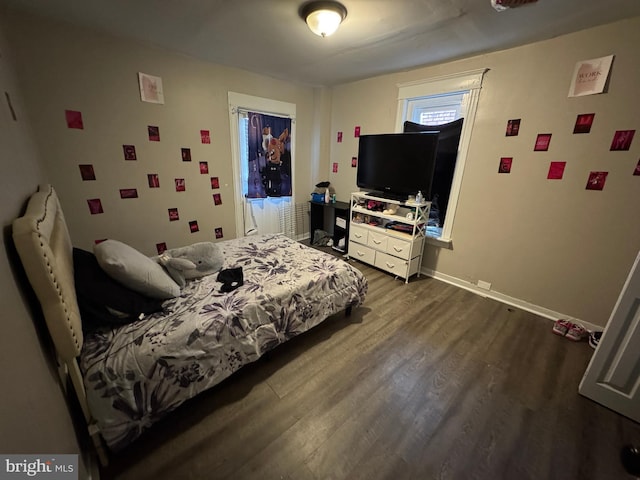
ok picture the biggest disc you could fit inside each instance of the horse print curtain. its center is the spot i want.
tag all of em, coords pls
(269, 156)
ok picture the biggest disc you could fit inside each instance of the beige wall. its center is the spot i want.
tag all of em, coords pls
(550, 243)
(33, 413)
(68, 68)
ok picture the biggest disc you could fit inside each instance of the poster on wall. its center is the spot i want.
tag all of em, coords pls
(590, 76)
(513, 127)
(505, 165)
(542, 142)
(150, 88)
(622, 140)
(269, 147)
(596, 180)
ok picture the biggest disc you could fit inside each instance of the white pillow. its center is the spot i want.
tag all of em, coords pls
(135, 270)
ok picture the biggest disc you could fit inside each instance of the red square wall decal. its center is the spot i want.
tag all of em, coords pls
(204, 168)
(339, 139)
(637, 169)
(513, 127)
(95, 206)
(215, 183)
(556, 170)
(128, 193)
(583, 123)
(596, 180)
(505, 165)
(218, 232)
(217, 199)
(129, 152)
(622, 140)
(186, 154)
(161, 247)
(542, 142)
(154, 133)
(193, 226)
(180, 185)
(205, 137)
(154, 180)
(74, 119)
(87, 173)
(173, 215)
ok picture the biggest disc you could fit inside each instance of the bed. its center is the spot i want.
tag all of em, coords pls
(128, 377)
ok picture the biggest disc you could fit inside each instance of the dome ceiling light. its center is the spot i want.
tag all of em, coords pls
(323, 17)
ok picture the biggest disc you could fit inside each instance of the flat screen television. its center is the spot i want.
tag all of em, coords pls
(396, 165)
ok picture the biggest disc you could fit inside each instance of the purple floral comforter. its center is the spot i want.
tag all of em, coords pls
(137, 373)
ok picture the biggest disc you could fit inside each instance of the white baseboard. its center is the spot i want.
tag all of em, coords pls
(501, 297)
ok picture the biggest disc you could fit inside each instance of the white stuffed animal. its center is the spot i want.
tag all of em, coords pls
(193, 261)
(391, 209)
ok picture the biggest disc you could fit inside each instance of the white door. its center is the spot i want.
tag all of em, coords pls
(613, 375)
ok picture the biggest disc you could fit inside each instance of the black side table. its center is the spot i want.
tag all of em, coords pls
(333, 218)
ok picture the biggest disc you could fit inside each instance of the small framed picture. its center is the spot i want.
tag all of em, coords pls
(161, 247)
(354, 162)
(186, 154)
(215, 183)
(173, 215)
(181, 186)
(204, 168)
(217, 199)
(636, 172)
(193, 226)
(218, 232)
(205, 137)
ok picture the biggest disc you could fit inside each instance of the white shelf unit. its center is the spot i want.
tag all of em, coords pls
(372, 242)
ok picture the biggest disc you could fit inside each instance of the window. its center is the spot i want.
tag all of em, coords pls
(437, 101)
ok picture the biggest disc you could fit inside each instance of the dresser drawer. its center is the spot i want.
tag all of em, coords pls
(378, 241)
(399, 248)
(362, 253)
(391, 264)
(358, 234)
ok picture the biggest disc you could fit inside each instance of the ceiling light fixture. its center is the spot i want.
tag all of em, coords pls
(323, 17)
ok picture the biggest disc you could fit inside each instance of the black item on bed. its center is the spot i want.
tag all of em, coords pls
(103, 302)
(231, 279)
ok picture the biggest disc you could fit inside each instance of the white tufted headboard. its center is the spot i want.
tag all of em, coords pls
(42, 240)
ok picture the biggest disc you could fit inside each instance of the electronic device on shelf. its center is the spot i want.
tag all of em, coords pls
(396, 165)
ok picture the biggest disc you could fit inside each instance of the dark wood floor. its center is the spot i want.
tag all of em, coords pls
(424, 381)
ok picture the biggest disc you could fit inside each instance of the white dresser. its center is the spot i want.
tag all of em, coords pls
(391, 242)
